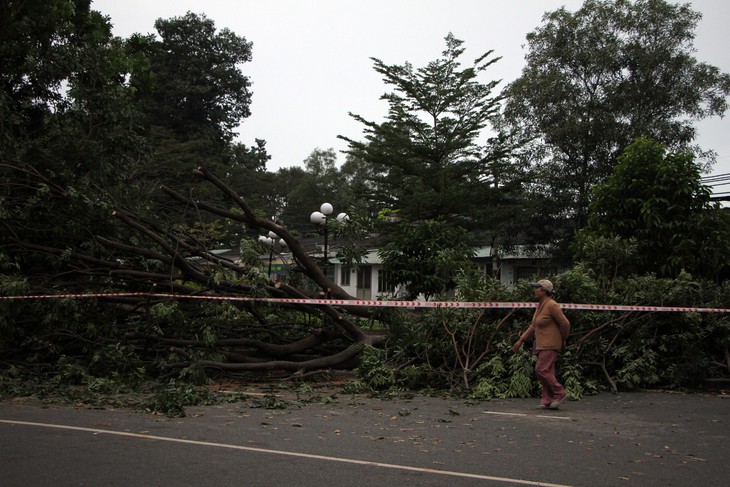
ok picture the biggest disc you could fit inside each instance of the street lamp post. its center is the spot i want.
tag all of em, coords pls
(320, 218)
(272, 241)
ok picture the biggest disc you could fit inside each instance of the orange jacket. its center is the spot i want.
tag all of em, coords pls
(549, 325)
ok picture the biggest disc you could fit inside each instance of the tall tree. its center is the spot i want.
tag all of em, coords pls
(429, 163)
(600, 77)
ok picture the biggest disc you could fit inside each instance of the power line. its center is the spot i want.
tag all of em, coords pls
(716, 176)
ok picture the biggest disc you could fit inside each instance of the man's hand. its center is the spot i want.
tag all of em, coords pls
(518, 344)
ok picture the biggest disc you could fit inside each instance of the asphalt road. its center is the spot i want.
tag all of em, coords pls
(643, 438)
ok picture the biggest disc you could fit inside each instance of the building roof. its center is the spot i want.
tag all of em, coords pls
(372, 256)
(515, 252)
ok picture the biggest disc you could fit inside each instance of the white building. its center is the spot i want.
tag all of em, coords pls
(369, 279)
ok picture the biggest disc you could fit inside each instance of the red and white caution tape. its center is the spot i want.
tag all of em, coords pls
(380, 304)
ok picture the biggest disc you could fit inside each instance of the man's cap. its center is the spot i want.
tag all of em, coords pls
(545, 284)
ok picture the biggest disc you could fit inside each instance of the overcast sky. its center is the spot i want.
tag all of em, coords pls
(311, 59)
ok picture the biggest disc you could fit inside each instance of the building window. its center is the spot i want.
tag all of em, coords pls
(364, 282)
(345, 275)
(329, 271)
(385, 284)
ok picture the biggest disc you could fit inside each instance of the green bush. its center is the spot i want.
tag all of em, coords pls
(468, 352)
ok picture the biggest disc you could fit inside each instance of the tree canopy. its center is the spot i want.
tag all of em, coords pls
(193, 94)
(655, 198)
(427, 157)
(598, 78)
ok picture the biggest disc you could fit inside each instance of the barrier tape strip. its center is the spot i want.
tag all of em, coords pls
(381, 304)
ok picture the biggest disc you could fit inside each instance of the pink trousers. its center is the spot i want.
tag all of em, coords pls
(545, 370)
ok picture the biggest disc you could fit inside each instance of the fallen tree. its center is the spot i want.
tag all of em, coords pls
(171, 336)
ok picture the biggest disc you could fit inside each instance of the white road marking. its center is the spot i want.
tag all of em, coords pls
(285, 453)
(500, 413)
